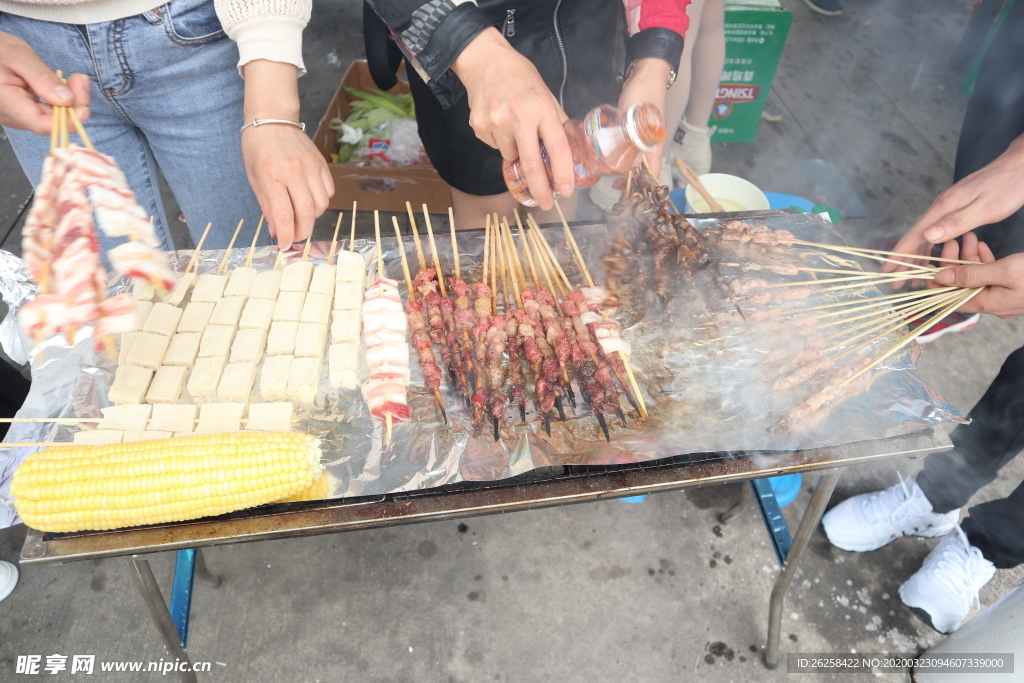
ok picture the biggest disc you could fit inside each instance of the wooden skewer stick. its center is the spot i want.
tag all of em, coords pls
(334, 240)
(79, 128)
(252, 247)
(194, 261)
(412, 297)
(691, 177)
(969, 294)
(305, 250)
(495, 232)
(907, 314)
(524, 240)
(837, 271)
(487, 244)
(916, 295)
(381, 273)
(54, 127)
(551, 253)
(227, 252)
(634, 387)
(518, 272)
(416, 236)
(433, 251)
(279, 260)
(881, 299)
(860, 251)
(509, 248)
(455, 244)
(865, 283)
(352, 237)
(906, 275)
(925, 309)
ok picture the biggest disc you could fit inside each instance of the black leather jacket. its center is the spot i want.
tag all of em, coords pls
(571, 42)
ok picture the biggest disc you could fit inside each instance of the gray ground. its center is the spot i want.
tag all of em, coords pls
(606, 591)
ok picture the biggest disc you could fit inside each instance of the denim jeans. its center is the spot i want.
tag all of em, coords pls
(165, 93)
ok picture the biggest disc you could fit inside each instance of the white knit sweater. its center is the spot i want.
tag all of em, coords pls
(263, 29)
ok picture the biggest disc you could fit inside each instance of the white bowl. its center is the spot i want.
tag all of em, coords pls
(732, 192)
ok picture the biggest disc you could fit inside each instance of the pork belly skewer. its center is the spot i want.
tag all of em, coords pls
(420, 338)
(387, 353)
(515, 387)
(594, 386)
(499, 342)
(482, 305)
(453, 309)
(615, 350)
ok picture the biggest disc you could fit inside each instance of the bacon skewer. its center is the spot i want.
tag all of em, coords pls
(420, 338)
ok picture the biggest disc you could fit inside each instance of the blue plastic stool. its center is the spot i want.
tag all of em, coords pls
(633, 499)
(786, 488)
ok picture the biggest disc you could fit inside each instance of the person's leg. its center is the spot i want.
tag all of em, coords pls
(679, 93)
(994, 119)
(184, 94)
(996, 528)
(994, 437)
(471, 211)
(69, 48)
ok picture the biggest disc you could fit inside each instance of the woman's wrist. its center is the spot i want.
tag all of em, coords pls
(271, 91)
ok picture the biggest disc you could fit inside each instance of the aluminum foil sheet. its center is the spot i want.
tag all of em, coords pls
(703, 387)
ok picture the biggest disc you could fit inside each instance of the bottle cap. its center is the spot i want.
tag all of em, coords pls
(632, 129)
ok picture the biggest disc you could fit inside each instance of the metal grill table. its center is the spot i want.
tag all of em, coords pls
(538, 489)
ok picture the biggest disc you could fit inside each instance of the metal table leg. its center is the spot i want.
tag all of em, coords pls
(204, 574)
(142, 575)
(815, 509)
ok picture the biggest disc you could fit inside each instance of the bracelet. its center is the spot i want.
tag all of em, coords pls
(632, 65)
(259, 122)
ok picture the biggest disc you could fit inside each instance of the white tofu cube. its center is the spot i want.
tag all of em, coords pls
(316, 308)
(167, 384)
(196, 316)
(248, 346)
(267, 285)
(227, 311)
(240, 281)
(289, 306)
(173, 418)
(323, 279)
(270, 417)
(220, 418)
(303, 378)
(146, 435)
(281, 340)
(351, 267)
(348, 296)
(274, 378)
(342, 363)
(163, 319)
(202, 384)
(184, 349)
(209, 287)
(297, 276)
(126, 417)
(181, 287)
(142, 311)
(130, 384)
(216, 341)
(257, 314)
(142, 291)
(236, 382)
(345, 326)
(148, 350)
(127, 339)
(310, 340)
(98, 437)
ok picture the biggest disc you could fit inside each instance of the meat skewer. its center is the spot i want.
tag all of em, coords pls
(420, 339)
(482, 307)
(387, 353)
(591, 387)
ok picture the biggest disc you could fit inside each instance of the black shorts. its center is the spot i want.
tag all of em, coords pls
(590, 32)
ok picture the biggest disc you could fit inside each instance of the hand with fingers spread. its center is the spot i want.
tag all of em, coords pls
(1002, 279)
(986, 196)
(512, 110)
(286, 170)
(25, 80)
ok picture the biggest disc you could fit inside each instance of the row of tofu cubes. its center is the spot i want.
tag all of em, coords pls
(142, 422)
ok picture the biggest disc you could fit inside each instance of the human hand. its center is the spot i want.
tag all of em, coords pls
(986, 196)
(646, 84)
(512, 110)
(25, 79)
(1003, 280)
(286, 170)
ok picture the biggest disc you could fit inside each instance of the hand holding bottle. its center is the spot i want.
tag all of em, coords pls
(512, 110)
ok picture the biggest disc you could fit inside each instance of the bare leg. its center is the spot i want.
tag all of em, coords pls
(471, 211)
(679, 93)
(709, 58)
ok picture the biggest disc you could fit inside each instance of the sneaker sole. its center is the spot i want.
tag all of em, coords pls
(930, 533)
(958, 327)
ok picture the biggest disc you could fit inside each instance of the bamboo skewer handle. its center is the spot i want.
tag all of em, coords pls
(227, 252)
(691, 177)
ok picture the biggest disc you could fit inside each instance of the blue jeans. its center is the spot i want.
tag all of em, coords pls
(165, 93)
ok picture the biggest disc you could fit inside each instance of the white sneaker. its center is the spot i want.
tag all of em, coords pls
(872, 520)
(692, 145)
(603, 192)
(948, 582)
(8, 579)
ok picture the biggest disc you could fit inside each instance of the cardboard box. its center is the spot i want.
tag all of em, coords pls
(384, 189)
(755, 33)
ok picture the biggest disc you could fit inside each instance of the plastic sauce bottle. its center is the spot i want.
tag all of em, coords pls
(603, 143)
